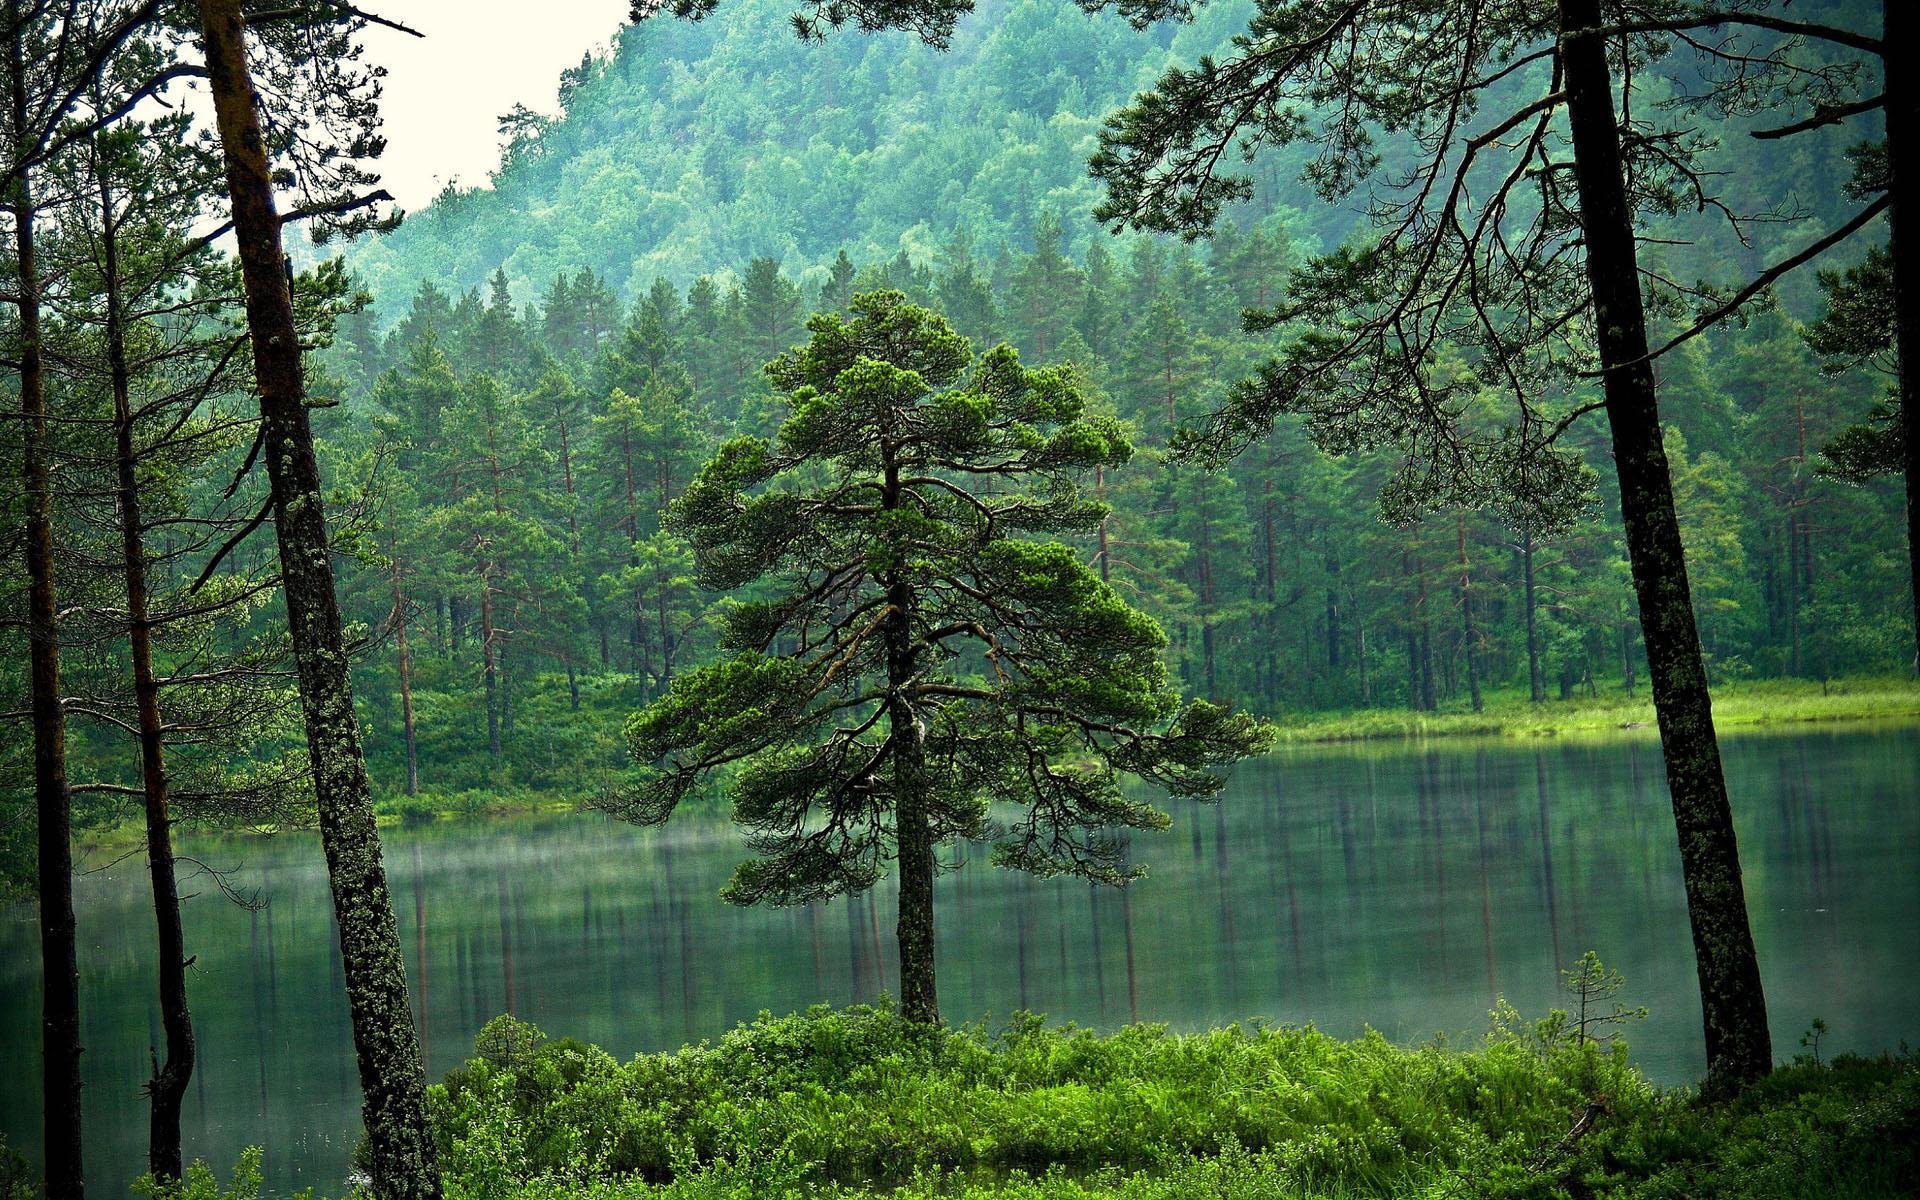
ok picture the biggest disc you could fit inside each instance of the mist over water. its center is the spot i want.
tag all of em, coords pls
(1401, 889)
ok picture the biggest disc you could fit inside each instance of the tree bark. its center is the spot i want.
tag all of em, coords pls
(1104, 554)
(1903, 121)
(1733, 1006)
(1333, 611)
(1536, 683)
(1469, 636)
(53, 802)
(1793, 590)
(1366, 699)
(405, 667)
(489, 667)
(1428, 700)
(167, 1090)
(912, 830)
(402, 1160)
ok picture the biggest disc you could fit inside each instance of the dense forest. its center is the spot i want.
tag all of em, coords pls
(947, 433)
(1278, 580)
(618, 333)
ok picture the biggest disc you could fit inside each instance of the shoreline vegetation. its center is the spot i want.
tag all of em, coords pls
(1747, 708)
(841, 1104)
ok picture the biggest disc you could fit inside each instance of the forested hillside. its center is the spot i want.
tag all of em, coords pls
(693, 148)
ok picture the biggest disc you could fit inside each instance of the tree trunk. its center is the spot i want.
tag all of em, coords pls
(666, 632)
(402, 1161)
(168, 1087)
(573, 548)
(1366, 700)
(913, 829)
(1105, 553)
(53, 803)
(1333, 612)
(1903, 121)
(1206, 590)
(489, 669)
(1428, 700)
(1536, 683)
(1270, 582)
(1469, 636)
(406, 676)
(1733, 1007)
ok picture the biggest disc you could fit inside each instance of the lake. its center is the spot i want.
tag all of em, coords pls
(1401, 888)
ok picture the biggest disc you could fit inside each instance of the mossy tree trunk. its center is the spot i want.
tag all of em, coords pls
(402, 1161)
(1733, 1006)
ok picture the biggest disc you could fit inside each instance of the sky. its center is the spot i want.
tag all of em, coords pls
(479, 58)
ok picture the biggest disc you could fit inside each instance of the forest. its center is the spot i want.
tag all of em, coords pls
(895, 448)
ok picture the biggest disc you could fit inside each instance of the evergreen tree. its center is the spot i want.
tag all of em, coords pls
(919, 659)
(1394, 328)
(403, 1162)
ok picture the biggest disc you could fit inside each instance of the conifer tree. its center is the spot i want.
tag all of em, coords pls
(1521, 291)
(914, 658)
(403, 1161)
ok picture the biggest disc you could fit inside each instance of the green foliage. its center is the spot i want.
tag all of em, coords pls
(859, 1102)
(691, 214)
(905, 641)
(861, 1095)
(199, 1182)
(689, 148)
(18, 1181)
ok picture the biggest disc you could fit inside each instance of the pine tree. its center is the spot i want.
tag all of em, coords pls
(1366, 370)
(1046, 291)
(402, 1158)
(963, 294)
(770, 310)
(497, 532)
(917, 659)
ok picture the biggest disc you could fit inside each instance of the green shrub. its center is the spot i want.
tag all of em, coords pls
(847, 1103)
(858, 1096)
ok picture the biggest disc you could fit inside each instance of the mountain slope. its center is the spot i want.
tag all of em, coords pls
(697, 146)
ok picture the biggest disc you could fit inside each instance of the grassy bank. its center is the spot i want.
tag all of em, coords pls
(1736, 707)
(855, 1103)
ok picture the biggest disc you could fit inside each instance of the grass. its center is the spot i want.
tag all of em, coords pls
(854, 1103)
(1743, 706)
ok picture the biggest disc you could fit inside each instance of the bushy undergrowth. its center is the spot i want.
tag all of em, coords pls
(843, 1103)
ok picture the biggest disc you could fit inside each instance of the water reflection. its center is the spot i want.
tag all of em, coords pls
(1404, 890)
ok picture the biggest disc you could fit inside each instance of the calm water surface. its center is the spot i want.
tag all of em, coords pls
(1404, 890)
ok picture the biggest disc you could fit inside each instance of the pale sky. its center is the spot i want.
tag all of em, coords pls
(479, 58)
